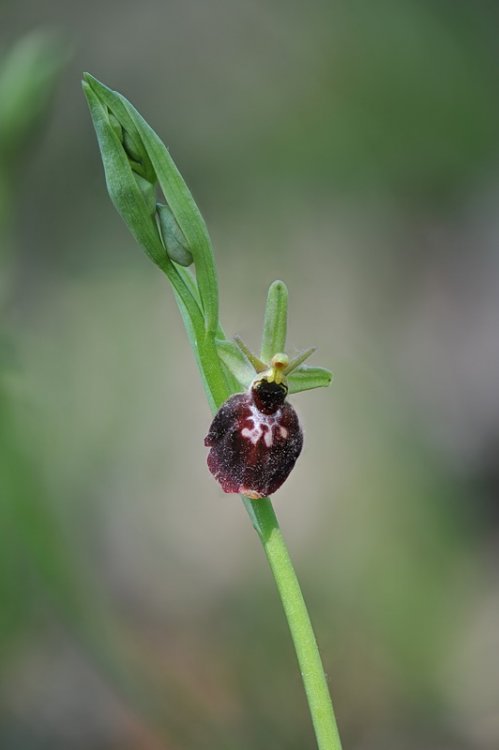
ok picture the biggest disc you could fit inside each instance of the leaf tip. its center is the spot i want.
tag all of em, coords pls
(87, 78)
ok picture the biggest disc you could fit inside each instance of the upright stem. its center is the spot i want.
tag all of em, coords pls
(264, 520)
(295, 609)
(197, 297)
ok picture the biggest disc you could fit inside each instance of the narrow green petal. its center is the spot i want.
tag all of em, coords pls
(297, 361)
(257, 363)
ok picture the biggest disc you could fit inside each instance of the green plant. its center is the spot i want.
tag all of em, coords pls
(173, 234)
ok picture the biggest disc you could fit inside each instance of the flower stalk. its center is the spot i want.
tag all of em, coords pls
(151, 196)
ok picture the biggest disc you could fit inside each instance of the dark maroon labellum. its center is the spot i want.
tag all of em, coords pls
(255, 439)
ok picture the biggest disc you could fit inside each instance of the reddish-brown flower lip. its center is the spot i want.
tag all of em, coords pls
(254, 440)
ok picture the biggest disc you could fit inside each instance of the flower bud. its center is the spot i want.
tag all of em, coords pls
(148, 191)
(113, 121)
(173, 237)
(131, 148)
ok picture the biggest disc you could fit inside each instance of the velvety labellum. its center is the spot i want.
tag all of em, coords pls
(254, 440)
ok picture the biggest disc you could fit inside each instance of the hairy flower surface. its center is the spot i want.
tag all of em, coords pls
(255, 439)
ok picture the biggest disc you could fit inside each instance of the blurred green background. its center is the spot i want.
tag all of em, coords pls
(351, 149)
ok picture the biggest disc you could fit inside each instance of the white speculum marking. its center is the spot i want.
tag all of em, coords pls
(263, 426)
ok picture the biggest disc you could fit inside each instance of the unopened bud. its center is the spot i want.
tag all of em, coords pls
(148, 191)
(131, 147)
(116, 126)
(173, 237)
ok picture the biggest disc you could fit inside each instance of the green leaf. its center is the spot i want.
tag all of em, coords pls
(305, 378)
(275, 321)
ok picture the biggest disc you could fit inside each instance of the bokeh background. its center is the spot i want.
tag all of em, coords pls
(350, 148)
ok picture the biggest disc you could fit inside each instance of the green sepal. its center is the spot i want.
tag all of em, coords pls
(305, 378)
(275, 321)
(237, 364)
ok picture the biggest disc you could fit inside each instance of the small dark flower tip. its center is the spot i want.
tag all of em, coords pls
(255, 437)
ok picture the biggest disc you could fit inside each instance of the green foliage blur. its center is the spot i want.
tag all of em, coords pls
(351, 149)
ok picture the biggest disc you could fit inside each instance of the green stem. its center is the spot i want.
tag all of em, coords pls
(197, 298)
(295, 609)
(264, 520)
